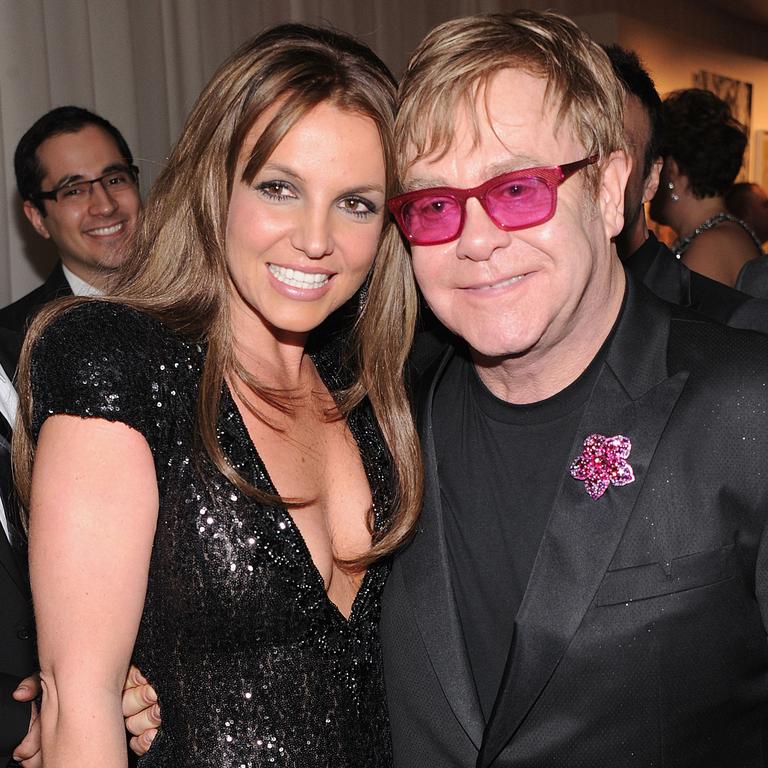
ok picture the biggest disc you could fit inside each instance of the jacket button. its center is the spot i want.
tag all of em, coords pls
(23, 634)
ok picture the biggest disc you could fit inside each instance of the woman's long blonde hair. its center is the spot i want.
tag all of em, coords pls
(177, 269)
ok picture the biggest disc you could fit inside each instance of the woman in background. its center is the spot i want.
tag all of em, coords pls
(703, 147)
(223, 450)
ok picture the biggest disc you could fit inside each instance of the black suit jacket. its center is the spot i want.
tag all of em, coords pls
(753, 278)
(15, 318)
(10, 349)
(17, 656)
(656, 267)
(641, 638)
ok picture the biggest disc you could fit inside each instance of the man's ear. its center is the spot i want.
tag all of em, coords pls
(652, 182)
(614, 175)
(36, 219)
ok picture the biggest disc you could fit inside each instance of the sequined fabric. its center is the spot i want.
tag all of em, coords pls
(253, 664)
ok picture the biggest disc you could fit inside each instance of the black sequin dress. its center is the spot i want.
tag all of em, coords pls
(253, 664)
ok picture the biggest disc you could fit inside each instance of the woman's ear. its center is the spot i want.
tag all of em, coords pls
(673, 174)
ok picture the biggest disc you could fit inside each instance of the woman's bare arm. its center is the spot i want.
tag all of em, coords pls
(93, 515)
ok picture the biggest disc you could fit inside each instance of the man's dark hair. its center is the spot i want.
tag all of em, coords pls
(632, 75)
(29, 171)
(704, 139)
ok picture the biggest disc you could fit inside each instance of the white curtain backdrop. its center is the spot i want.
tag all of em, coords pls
(141, 64)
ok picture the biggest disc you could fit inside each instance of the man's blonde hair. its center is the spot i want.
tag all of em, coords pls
(457, 60)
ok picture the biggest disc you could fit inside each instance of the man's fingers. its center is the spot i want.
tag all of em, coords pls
(28, 752)
(146, 720)
(137, 699)
(27, 689)
(140, 744)
(134, 678)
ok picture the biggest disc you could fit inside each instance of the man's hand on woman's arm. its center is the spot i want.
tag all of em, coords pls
(28, 751)
(140, 710)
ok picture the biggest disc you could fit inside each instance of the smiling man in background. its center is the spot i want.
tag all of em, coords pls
(79, 187)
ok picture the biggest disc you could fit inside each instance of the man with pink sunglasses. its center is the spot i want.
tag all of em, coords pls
(588, 584)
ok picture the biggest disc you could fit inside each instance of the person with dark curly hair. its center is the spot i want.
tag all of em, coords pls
(703, 146)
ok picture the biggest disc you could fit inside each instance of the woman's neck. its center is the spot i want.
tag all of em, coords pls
(273, 357)
(695, 211)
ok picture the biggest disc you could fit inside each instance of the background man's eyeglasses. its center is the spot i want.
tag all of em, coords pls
(515, 200)
(77, 192)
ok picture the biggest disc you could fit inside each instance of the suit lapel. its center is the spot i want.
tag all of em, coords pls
(667, 277)
(8, 557)
(427, 578)
(10, 563)
(56, 285)
(633, 396)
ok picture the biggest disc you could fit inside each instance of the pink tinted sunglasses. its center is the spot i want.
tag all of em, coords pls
(514, 200)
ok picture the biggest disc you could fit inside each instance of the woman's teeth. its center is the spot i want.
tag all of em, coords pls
(297, 279)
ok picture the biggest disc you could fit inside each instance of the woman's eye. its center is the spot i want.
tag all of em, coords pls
(358, 206)
(276, 190)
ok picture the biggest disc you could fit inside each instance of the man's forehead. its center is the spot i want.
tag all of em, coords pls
(498, 149)
(511, 114)
(426, 175)
(90, 149)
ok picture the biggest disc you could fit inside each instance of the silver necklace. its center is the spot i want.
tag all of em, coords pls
(680, 245)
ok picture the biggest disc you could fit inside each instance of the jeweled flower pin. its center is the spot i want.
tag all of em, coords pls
(603, 462)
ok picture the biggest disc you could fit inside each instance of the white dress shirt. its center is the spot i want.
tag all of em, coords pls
(9, 402)
(78, 285)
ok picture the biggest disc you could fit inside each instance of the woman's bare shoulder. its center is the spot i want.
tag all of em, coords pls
(721, 252)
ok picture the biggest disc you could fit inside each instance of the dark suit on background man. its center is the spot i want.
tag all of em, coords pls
(10, 345)
(639, 640)
(753, 278)
(15, 318)
(17, 654)
(656, 267)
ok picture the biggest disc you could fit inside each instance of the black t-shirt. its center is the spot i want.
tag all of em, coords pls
(500, 466)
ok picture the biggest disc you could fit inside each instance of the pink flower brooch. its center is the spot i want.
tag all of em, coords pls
(602, 462)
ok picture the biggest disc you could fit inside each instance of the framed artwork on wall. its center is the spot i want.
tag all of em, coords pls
(738, 95)
(760, 159)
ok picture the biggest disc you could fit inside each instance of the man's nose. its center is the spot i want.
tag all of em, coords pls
(480, 237)
(101, 201)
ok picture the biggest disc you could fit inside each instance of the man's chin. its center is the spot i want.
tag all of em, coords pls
(497, 350)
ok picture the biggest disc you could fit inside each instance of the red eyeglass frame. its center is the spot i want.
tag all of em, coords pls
(553, 176)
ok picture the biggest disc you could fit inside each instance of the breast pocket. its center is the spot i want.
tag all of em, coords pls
(655, 579)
